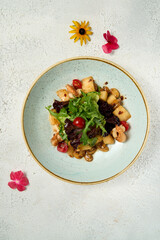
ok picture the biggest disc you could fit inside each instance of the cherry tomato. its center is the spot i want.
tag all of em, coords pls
(125, 124)
(77, 84)
(79, 122)
(62, 147)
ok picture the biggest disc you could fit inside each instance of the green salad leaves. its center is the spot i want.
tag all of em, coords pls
(86, 107)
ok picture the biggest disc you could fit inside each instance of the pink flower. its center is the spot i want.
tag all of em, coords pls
(112, 43)
(19, 181)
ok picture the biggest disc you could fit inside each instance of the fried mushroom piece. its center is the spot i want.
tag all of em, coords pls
(88, 157)
(102, 147)
(78, 154)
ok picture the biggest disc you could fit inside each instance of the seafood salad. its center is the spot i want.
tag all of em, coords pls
(87, 118)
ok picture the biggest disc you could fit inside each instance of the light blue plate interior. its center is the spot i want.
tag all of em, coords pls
(38, 131)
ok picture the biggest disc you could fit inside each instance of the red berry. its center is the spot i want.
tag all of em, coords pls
(77, 84)
(125, 124)
(62, 147)
(79, 122)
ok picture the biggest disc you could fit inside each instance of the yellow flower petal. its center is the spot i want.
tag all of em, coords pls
(88, 38)
(77, 30)
(81, 41)
(73, 31)
(73, 27)
(89, 32)
(84, 38)
(87, 24)
(76, 23)
(76, 39)
(73, 36)
(83, 24)
(87, 28)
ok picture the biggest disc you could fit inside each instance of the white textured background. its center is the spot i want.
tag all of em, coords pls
(34, 35)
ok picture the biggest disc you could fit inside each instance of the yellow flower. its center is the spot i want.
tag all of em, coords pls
(81, 32)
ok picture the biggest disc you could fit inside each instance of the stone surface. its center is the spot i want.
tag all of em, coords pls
(34, 35)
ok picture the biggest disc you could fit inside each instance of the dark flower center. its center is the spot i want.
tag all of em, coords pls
(82, 31)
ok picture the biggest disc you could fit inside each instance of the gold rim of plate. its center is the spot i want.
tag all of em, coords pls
(134, 81)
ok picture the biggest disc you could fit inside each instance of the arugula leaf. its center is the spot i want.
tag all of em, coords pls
(100, 122)
(51, 112)
(94, 96)
(61, 116)
(62, 132)
(85, 139)
(73, 105)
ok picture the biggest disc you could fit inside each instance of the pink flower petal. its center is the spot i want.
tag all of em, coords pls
(19, 175)
(24, 181)
(107, 48)
(12, 185)
(12, 176)
(110, 38)
(114, 46)
(21, 188)
(105, 36)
